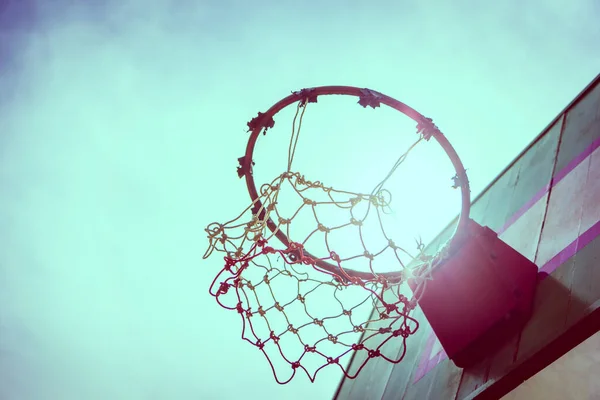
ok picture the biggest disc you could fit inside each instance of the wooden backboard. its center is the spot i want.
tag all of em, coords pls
(545, 204)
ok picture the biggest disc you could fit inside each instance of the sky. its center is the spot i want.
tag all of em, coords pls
(122, 122)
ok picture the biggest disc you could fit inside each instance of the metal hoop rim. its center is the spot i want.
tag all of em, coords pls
(371, 98)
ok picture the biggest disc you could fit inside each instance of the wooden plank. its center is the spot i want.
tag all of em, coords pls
(421, 389)
(346, 385)
(573, 376)
(500, 195)
(529, 226)
(591, 203)
(582, 127)
(554, 296)
(564, 213)
(373, 377)
(550, 311)
(586, 278)
(575, 335)
(534, 174)
(402, 374)
(493, 367)
(474, 377)
(447, 381)
(479, 207)
(585, 295)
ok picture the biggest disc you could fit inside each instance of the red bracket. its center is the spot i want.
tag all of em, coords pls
(478, 297)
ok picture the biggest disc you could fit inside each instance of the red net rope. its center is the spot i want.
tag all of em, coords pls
(302, 316)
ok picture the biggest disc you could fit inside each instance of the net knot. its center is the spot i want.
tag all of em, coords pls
(295, 253)
(356, 281)
(309, 349)
(356, 347)
(239, 308)
(355, 222)
(358, 329)
(274, 337)
(374, 353)
(404, 332)
(323, 228)
(229, 263)
(355, 200)
(268, 250)
(390, 308)
(223, 288)
(334, 256)
(300, 179)
(382, 280)
(379, 200)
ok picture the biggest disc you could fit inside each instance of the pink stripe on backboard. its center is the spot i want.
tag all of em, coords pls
(524, 209)
(576, 161)
(559, 177)
(423, 366)
(429, 361)
(435, 360)
(575, 246)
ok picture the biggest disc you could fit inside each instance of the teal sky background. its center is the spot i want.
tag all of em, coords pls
(122, 122)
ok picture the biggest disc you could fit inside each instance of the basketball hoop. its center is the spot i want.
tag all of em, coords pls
(260, 253)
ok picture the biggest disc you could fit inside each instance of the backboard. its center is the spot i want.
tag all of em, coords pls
(546, 205)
